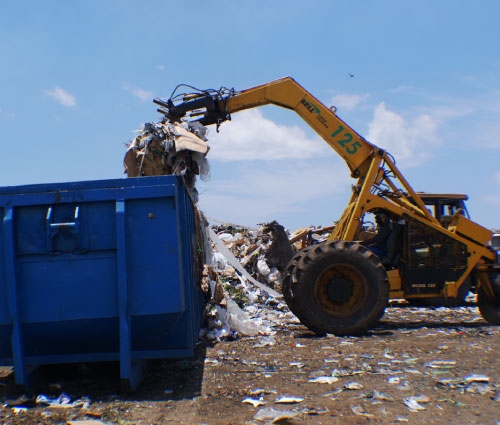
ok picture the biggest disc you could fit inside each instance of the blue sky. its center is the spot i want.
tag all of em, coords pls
(78, 78)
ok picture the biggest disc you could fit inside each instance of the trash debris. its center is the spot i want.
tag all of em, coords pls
(254, 257)
(413, 404)
(263, 268)
(164, 148)
(421, 398)
(63, 401)
(274, 415)
(20, 409)
(238, 320)
(266, 341)
(257, 391)
(253, 401)
(394, 380)
(236, 264)
(480, 388)
(476, 378)
(324, 379)
(332, 371)
(353, 386)
(345, 372)
(360, 411)
(237, 261)
(378, 396)
(441, 364)
(289, 400)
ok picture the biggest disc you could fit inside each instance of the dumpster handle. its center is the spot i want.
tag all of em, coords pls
(54, 228)
(57, 226)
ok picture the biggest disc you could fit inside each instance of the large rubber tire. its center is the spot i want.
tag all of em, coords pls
(341, 288)
(490, 308)
(289, 278)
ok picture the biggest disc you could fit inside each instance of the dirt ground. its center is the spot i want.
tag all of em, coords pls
(421, 365)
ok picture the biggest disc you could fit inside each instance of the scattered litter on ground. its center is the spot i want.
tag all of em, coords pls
(360, 411)
(353, 386)
(63, 401)
(18, 410)
(324, 379)
(273, 415)
(376, 377)
(413, 404)
(289, 400)
(253, 401)
(378, 396)
(476, 378)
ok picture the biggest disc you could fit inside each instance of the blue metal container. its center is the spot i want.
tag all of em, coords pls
(96, 271)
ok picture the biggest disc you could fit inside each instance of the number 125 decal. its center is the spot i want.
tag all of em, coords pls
(347, 143)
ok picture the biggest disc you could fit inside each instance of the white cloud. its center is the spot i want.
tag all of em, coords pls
(402, 89)
(263, 171)
(293, 192)
(61, 96)
(492, 199)
(7, 114)
(348, 101)
(160, 67)
(410, 141)
(141, 94)
(251, 136)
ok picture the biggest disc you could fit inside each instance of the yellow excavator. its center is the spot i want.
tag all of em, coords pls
(342, 286)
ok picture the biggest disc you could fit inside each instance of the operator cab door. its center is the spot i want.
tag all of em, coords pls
(430, 259)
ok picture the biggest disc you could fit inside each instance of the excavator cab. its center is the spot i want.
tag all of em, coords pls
(443, 206)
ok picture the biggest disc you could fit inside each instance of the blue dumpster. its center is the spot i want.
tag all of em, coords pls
(103, 270)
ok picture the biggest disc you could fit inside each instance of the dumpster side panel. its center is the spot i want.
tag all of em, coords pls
(100, 270)
(153, 254)
(66, 279)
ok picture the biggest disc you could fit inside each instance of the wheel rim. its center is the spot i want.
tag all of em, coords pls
(340, 289)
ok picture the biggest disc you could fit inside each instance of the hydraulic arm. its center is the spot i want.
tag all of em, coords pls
(374, 168)
(287, 93)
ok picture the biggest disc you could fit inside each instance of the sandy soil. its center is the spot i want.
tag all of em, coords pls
(421, 365)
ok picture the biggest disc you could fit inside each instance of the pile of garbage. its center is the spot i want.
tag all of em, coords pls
(165, 148)
(244, 273)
